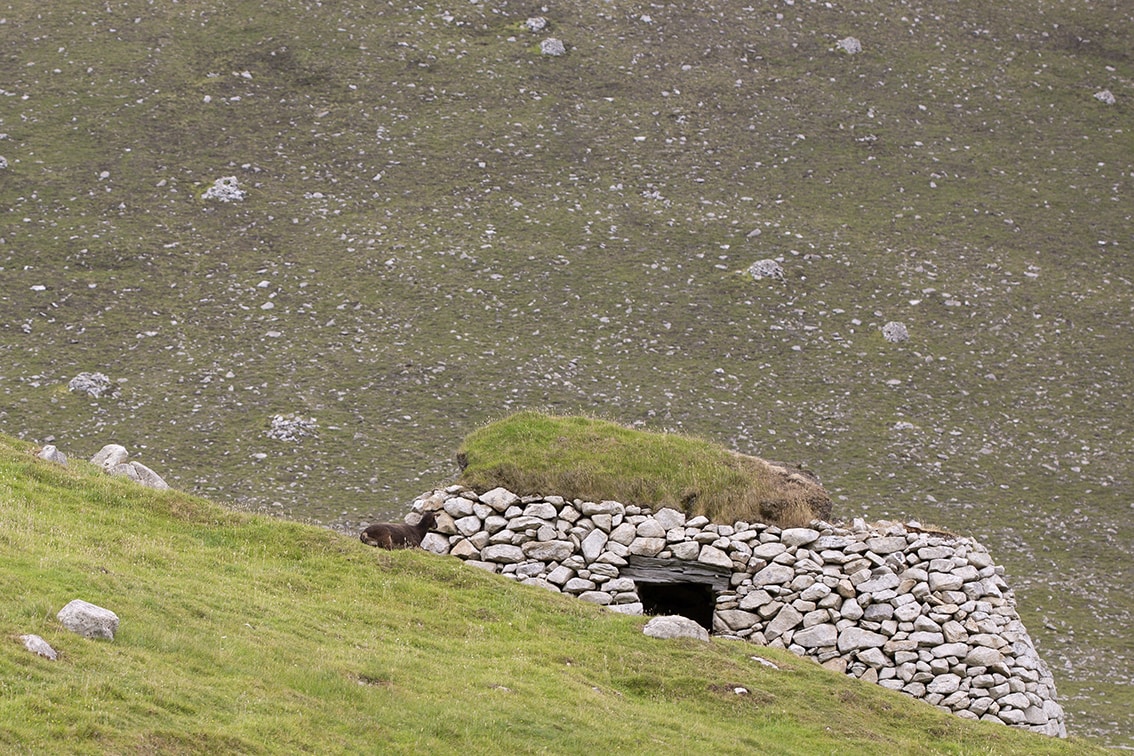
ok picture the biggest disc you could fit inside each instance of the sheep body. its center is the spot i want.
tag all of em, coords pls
(391, 535)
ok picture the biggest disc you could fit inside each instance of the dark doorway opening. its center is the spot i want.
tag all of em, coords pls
(696, 601)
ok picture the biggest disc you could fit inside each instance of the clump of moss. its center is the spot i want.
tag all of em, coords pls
(585, 458)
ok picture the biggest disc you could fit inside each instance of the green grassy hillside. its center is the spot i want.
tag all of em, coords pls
(443, 226)
(244, 634)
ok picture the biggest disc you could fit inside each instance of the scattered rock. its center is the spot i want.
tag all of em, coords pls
(1106, 97)
(94, 384)
(895, 332)
(536, 24)
(110, 456)
(139, 473)
(3, 162)
(764, 662)
(436, 543)
(38, 645)
(552, 46)
(88, 620)
(113, 459)
(291, 427)
(855, 638)
(816, 636)
(849, 45)
(675, 627)
(51, 454)
(225, 189)
(766, 269)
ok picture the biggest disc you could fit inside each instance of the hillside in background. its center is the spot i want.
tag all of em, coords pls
(442, 225)
(239, 633)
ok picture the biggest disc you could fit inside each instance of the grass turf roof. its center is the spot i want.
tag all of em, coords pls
(587, 458)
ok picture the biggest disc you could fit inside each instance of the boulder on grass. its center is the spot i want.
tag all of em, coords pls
(38, 645)
(675, 627)
(88, 620)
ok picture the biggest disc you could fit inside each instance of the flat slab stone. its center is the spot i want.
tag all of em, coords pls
(737, 619)
(504, 553)
(547, 551)
(774, 574)
(816, 636)
(794, 537)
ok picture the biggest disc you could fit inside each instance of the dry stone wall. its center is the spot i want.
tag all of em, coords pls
(925, 613)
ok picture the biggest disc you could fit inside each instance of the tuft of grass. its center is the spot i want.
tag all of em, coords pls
(587, 458)
(245, 634)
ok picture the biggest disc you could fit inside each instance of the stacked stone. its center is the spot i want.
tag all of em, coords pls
(924, 613)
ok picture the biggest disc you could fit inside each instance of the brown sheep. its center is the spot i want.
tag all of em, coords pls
(390, 535)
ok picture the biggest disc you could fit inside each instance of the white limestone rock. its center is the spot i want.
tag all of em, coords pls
(855, 638)
(675, 627)
(110, 456)
(503, 553)
(895, 332)
(225, 189)
(816, 636)
(553, 47)
(795, 537)
(88, 620)
(95, 385)
(51, 454)
(38, 645)
(766, 269)
(499, 499)
(144, 475)
(291, 427)
(713, 556)
(548, 551)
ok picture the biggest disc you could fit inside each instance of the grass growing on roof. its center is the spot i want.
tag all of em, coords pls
(587, 458)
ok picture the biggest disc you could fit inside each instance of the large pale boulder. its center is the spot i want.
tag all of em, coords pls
(51, 454)
(110, 456)
(435, 542)
(675, 627)
(88, 620)
(139, 473)
(115, 460)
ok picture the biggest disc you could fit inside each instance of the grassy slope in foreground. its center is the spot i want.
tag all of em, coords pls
(245, 634)
(586, 458)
